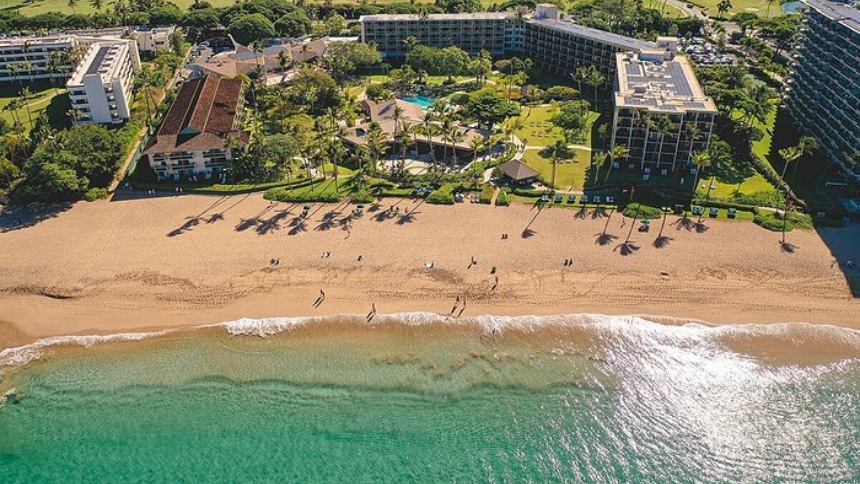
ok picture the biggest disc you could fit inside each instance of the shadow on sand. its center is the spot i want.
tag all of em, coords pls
(19, 217)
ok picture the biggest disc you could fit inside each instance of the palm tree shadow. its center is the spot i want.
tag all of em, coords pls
(581, 213)
(245, 224)
(298, 228)
(685, 223)
(787, 247)
(528, 233)
(215, 217)
(406, 218)
(700, 227)
(374, 207)
(382, 216)
(598, 212)
(273, 223)
(605, 239)
(191, 222)
(662, 241)
(326, 224)
(627, 248)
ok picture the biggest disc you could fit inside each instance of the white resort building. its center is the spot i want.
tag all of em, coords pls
(652, 85)
(30, 58)
(100, 88)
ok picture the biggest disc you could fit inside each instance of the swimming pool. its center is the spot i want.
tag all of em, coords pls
(423, 101)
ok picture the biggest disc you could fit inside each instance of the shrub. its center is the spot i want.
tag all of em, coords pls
(94, 194)
(487, 194)
(642, 211)
(772, 221)
(502, 200)
(444, 195)
(723, 204)
(528, 192)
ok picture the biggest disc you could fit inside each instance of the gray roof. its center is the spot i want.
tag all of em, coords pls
(517, 170)
(438, 16)
(846, 15)
(595, 34)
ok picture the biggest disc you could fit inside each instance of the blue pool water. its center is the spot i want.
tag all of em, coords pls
(422, 101)
(791, 7)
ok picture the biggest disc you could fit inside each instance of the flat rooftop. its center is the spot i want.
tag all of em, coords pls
(101, 60)
(844, 14)
(599, 35)
(668, 86)
(437, 16)
(54, 39)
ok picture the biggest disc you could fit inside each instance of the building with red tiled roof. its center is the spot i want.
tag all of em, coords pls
(200, 131)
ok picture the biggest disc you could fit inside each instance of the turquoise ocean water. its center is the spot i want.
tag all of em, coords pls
(412, 398)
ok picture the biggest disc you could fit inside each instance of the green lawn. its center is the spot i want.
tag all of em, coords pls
(538, 130)
(738, 6)
(42, 97)
(570, 173)
(431, 80)
(33, 7)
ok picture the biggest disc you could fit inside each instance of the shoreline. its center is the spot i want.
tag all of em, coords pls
(175, 261)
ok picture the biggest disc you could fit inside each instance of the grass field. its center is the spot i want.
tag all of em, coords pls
(738, 6)
(33, 7)
(570, 173)
(538, 130)
(43, 96)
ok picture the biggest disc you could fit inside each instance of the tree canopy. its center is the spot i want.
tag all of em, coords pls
(489, 108)
(249, 28)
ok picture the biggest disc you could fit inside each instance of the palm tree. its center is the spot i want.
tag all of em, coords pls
(456, 136)
(617, 152)
(723, 7)
(25, 96)
(556, 148)
(74, 114)
(769, 3)
(97, 4)
(702, 160)
(599, 159)
(594, 78)
(429, 130)
(445, 131)
(375, 145)
(73, 4)
(478, 145)
(120, 8)
(407, 132)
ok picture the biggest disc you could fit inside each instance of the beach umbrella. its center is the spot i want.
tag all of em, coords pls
(646, 221)
(360, 205)
(307, 207)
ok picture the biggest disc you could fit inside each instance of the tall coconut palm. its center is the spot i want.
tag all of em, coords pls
(456, 136)
(617, 152)
(702, 160)
(429, 129)
(446, 125)
(25, 97)
(97, 5)
(557, 149)
(594, 78)
(73, 4)
(723, 7)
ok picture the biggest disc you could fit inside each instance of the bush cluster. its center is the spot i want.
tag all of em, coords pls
(444, 195)
(642, 211)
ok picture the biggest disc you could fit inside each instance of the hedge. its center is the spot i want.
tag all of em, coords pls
(444, 195)
(642, 211)
(528, 192)
(723, 204)
(502, 200)
(94, 194)
(793, 220)
(294, 197)
(487, 194)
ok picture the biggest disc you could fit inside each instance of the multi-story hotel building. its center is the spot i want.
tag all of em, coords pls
(823, 95)
(656, 84)
(556, 46)
(560, 47)
(494, 32)
(101, 86)
(30, 58)
(199, 131)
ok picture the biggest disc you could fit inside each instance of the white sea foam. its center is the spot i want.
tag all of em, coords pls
(25, 354)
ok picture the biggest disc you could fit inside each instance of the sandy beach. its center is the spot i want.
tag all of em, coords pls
(166, 261)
